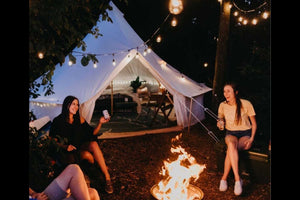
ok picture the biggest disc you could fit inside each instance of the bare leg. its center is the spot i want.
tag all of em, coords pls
(98, 156)
(227, 167)
(233, 155)
(72, 177)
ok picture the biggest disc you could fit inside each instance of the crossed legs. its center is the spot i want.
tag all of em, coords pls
(232, 155)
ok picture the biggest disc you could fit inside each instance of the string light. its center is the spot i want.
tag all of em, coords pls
(175, 6)
(148, 50)
(241, 15)
(95, 65)
(158, 39)
(137, 55)
(114, 61)
(145, 52)
(174, 22)
(40, 55)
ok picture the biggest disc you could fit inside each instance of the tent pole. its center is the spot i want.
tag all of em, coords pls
(111, 98)
(190, 116)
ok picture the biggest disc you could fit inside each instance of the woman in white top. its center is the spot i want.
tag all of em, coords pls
(240, 124)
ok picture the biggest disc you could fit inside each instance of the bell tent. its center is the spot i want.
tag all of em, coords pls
(121, 44)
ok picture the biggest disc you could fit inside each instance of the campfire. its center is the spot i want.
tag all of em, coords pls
(177, 175)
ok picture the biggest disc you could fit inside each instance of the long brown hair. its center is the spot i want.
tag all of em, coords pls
(238, 118)
(65, 108)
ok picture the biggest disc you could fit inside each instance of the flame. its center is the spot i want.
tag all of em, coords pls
(178, 174)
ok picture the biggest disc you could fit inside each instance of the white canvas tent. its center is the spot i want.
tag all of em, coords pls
(121, 43)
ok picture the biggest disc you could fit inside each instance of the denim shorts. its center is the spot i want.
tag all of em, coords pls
(239, 134)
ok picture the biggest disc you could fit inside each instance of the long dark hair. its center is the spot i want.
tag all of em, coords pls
(65, 108)
(238, 102)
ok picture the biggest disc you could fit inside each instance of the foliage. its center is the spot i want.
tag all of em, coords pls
(42, 168)
(135, 84)
(56, 27)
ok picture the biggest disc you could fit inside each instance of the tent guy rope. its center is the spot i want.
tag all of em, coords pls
(209, 132)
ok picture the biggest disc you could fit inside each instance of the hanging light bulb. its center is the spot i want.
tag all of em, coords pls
(254, 21)
(148, 50)
(40, 55)
(137, 55)
(174, 22)
(265, 15)
(158, 39)
(175, 6)
(145, 52)
(95, 65)
(114, 61)
(70, 63)
(128, 55)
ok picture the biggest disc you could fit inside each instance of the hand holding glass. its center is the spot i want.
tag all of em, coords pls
(220, 124)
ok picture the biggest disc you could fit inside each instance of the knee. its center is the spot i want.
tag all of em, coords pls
(74, 168)
(231, 145)
(94, 195)
(85, 155)
(94, 144)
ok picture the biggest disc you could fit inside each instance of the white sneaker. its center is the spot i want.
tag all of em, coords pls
(238, 187)
(223, 185)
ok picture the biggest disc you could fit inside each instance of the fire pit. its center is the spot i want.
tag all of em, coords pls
(176, 176)
(194, 193)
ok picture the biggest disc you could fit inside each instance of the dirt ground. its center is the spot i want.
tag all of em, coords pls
(135, 162)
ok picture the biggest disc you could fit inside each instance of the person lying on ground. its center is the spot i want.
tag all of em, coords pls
(69, 184)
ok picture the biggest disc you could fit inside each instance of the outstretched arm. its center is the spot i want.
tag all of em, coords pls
(102, 120)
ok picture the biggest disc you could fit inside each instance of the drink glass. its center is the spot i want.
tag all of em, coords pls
(221, 124)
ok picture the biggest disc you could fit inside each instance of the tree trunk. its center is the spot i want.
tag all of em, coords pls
(221, 60)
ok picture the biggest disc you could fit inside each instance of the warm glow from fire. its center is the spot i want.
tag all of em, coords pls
(178, 174)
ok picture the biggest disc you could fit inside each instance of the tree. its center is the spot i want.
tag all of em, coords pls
(56, 27)
(221, 60)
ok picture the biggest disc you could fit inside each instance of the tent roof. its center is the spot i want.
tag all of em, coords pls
(119, 42)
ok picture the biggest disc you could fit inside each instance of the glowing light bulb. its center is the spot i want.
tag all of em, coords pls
(175, 6)
(158, 39)
(70, 63)
(95, 65)
(40, 55)
(148, 50)
(174, 22)
(114, 62)
(236, 13)
(265, 15)
(254, 21)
